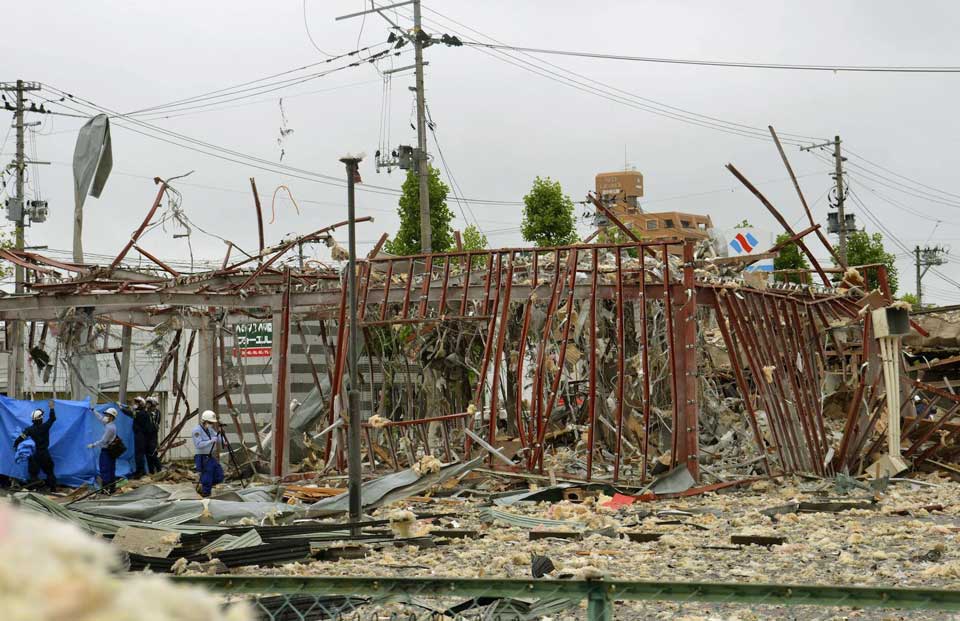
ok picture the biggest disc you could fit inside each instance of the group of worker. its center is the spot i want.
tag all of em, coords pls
(208, 440)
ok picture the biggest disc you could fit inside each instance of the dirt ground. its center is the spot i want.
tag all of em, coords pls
(907, 537)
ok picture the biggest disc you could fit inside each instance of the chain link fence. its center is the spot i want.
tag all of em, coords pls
(294, 598)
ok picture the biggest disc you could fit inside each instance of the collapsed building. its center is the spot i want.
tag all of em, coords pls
(520, 408)
(610, 361)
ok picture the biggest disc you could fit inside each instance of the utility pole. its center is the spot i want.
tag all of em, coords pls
(926, 258)
(841, 216)
(16, 213)
(837, 221)
(426, 241)
(419, 40)
(354, 465)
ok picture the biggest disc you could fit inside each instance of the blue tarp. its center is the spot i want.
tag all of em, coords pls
(75, 428)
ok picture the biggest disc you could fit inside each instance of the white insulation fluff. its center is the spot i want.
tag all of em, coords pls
(51, 570)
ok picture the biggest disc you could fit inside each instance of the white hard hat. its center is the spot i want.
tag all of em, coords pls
(153, 400)
(37, 415)
(916, 397)
(110, 412)
(208, 417)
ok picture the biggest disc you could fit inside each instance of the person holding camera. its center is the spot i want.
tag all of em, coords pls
(207, 441)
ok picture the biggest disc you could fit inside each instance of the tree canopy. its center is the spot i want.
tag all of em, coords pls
(548, 215)
(473, 238)
(407, 240)
(866, 249)
(790, 258)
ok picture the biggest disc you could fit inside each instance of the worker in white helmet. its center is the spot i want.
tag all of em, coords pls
(39, 432)
(207, 442)
(111, 447)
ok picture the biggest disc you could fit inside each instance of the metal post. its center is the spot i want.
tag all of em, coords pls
(599, 606)
(426, 240)
(354, 465)
(125, 341)
(256, 202)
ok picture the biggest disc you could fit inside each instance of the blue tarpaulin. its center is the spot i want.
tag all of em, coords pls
(75, 428)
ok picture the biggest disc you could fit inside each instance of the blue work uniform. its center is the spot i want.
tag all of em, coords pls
(108, 464)
(141, 431)
(152, 440)
(206, 444)
(39, 432)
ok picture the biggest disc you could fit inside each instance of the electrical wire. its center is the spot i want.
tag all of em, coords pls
(896, 174)
(245, 159)
(306, 26)
(896, 240)
(457, 190)
(721, 63)
(590, 85)
(164, 116)
(236, 93)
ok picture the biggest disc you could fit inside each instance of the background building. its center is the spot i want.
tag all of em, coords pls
(621, 191)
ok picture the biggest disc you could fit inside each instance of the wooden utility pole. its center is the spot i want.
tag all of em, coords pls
(423, 167)
(417, 38)
(841, 230)
(841, 217)
(15, 331)
(925, 258)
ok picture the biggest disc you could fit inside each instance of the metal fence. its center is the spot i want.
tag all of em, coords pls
(293, 598)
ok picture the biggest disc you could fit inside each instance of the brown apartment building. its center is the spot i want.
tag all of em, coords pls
(621, 192)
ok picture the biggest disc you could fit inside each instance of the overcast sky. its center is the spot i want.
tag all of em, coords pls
(499, 125)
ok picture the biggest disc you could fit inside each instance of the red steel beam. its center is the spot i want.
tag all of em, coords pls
(786, 225)
(146, 221)
(282, 403)
(157, 261)
(621, 364)
(256, 202)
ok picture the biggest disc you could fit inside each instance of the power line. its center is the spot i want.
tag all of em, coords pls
(231, 155)
(235, 93)
(612, 92)
(895, 239)
(903, 207)
(905, 178)
(458, 192)
(306, 26)
(720, 63)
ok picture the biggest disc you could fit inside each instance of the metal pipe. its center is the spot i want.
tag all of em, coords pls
(354, 465)
(592, 384)
(256, 202)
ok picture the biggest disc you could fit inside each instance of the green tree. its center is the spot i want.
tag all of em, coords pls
(744, 224)
(910, 299)
(473, 238)
(613, 235)
(407, 240)
(866, 249)
(548, 215)
(790, 258)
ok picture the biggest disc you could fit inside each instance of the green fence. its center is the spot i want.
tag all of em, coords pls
(288, 598)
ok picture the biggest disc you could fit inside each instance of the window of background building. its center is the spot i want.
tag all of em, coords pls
(651, 225)
(668, 224)
(685, 224)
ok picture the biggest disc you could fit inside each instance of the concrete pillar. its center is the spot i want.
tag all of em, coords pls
(206, 371)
